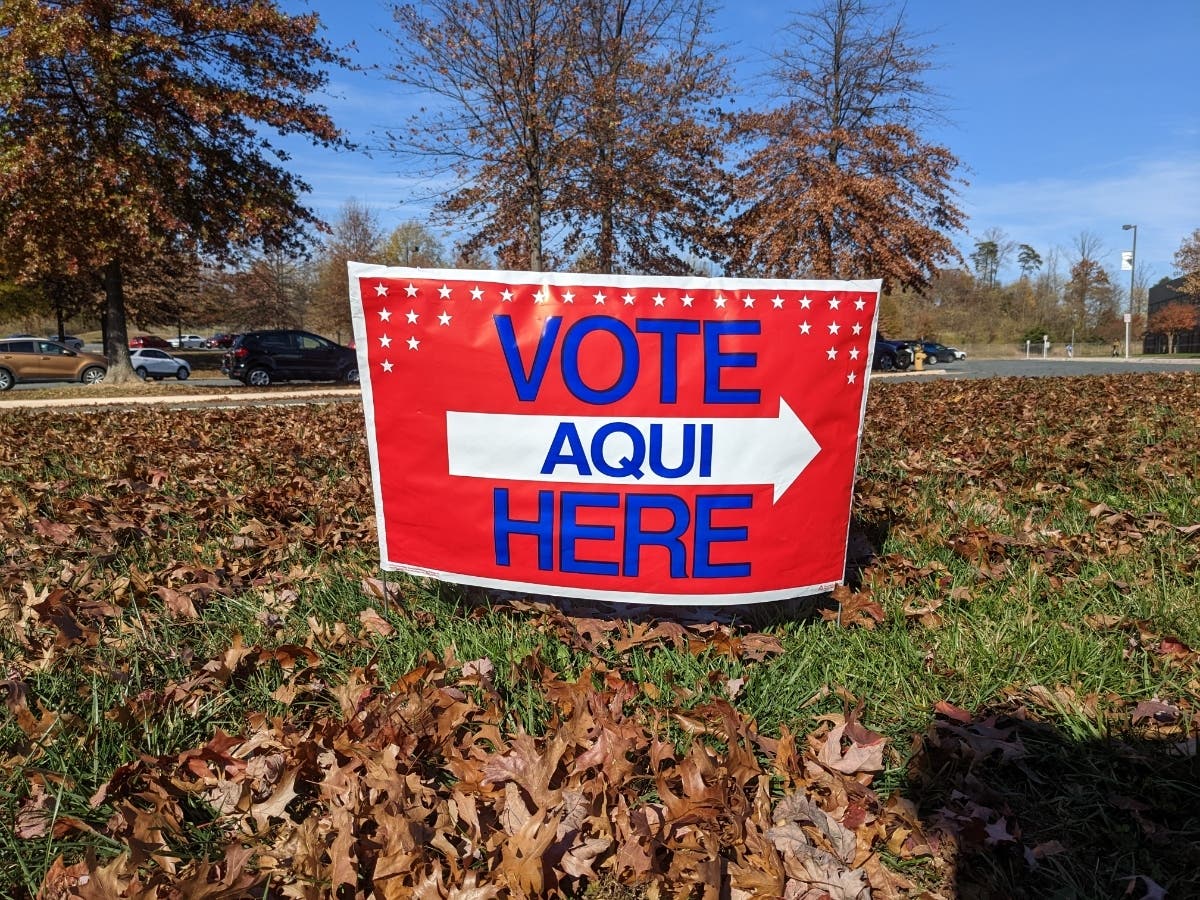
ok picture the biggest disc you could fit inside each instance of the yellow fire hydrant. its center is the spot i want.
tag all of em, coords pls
(918, 358)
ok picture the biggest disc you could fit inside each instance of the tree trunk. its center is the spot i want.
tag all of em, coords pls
(116, 337)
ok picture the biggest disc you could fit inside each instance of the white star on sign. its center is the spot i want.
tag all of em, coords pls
(659, 299)
(568, 297)
(599, 298)
(831, 353)
(542, 296)
(411, 290)
(748, 302)
(381, 290)
(506, 295)
(444, 292)
(805, 328)
(850, 378)
(720, 301)
(777, 302)
(833, 302)
(386, 366)
(833, 327)
(629, 298)
(384, 315)
(805, 303)
(413, 343)
(385, 341)
(854, 353)
(687, 300)
(412, 317)
(860, 304)
(445, 318)
(857, 329)
(476, 293)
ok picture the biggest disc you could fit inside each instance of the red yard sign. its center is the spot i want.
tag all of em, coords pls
(643, 439)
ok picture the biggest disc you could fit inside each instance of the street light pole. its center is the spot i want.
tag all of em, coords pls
(1132, 272)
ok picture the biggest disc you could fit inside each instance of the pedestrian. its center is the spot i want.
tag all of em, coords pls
(1116, 348)
(1070, 350)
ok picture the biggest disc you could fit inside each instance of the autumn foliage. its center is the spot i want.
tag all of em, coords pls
(190, 612)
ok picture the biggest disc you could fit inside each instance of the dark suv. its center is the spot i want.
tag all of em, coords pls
(892, 355)
(258, 358)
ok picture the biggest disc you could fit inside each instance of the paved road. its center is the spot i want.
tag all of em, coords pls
(966, 368)
(1037, 367)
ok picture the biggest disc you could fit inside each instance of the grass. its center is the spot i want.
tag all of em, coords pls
(1031, 558)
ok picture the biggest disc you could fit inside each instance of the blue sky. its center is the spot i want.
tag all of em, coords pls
(1067, 116)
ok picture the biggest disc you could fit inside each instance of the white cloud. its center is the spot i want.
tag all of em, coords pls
(1160, 196)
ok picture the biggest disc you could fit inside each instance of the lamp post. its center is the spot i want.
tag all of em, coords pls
(409, 251)
(1132, 272)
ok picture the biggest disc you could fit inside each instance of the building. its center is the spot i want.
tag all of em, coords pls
(1160, 296)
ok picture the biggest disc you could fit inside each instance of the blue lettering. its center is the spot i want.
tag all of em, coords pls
(503, 526)
(572, 531)
(527, 386)
(688, 454)
(637, 537)
(628, 465)
(715, 361)
(566, 435)
(707, 534)
(629, 360)
(669, 329)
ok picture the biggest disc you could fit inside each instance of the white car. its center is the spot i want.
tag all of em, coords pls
(187, 342)
(958, 354)
(149, 362)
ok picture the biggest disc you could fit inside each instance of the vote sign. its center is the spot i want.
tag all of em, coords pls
(631, 438)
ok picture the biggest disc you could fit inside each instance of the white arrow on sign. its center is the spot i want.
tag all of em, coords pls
(530, 448)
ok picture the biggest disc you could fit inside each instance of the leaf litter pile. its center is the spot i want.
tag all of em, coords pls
(209, 692)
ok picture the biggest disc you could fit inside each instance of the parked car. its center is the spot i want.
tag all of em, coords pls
(220, 341)
(935, 352)
(67, 340)
(958, 354)
(35, 359)
(150, 362)
(148, 340)
(891, 355)
(259, 358)
(186, 342)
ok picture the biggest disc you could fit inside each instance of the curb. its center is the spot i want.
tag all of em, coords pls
(158, 399)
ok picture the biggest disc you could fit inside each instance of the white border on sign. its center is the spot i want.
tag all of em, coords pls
(357, 271)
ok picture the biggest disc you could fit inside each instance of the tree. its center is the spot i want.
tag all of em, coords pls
(1173, 320)
(1187, 263)
(500, 71)
(1028, 259)
(270, 288)
(135, 130)
(645, 184)
(413, 244)
(1089, 295)
(838, 181)
(986, 260)
(356, 236)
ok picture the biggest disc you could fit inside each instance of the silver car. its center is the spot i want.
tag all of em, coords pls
(150, 362)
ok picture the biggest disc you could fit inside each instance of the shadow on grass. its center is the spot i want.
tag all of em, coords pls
(864, 540)
(1023, 810)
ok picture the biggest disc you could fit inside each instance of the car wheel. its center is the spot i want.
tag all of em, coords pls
(6, 380)
(258, 377)
(141, 372)
(350, 376)
(92, 375)
(183, 373)
(886, 362)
